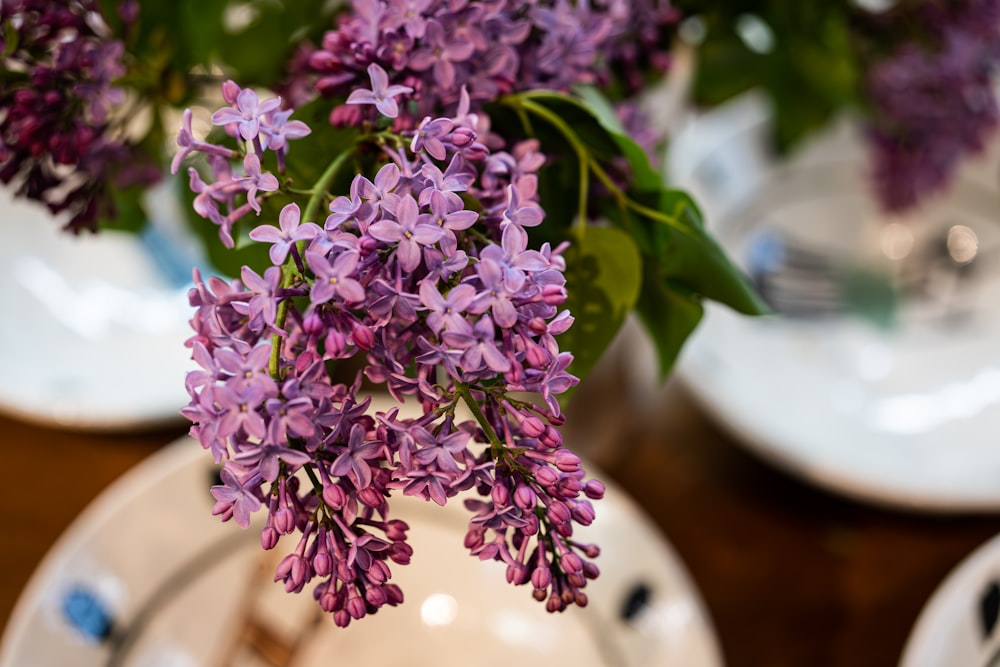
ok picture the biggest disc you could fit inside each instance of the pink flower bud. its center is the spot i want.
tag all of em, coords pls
(583, 513)
(268, 538)
(558, 512)
(355, 606)
(500, 495)
(594, 489)
(554, 295)
(537, 326)
(546, 476)
(336, 343)
(463, 137)
(323, 563)
(312, 324)
(363, 337)
(567, 461)
(541, 577)
(552, 439)
(532, 427)
(230, 91)
(375, 596)
(395, 530)
(284, 521)
(524, 497)
(334, 496)
(536, 356)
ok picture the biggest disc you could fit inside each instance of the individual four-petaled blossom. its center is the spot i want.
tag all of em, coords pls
(408, 230)
(381, 93)
(246, 113)
(236, 497)
(334, 280)
(289, 232)
(276, 130)
(255, 180)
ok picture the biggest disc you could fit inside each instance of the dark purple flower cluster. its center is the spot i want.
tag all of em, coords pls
(60, 146)
(439, 48)
(452, 311)
(934, 104)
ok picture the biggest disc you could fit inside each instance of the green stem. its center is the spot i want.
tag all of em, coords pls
(317, 193)
(583, 154)
(496, 447)
(321, 187)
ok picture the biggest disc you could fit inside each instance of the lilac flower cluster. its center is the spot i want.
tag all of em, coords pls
(265, 126)
(452, 311)
(60, 146)
(933, 105)
(439, 48)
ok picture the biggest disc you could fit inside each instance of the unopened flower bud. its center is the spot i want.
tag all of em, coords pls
(312, 324)
(230, 91)
(536, 356)
(355, 606)
(552, 439)
(475, 152)
(323, 563)
(363, 337)
(375, 596)
(583, 513)
(334, 496)
(532, 426)
(537, 326)
(284, 520)
(462, 137)
(500, 495)
(395, 530)
(541, 577)
(268, 538)
(524, 497)
(546, 476)
(558, 512)
(567, 461)
(554, 295)
(594, 489)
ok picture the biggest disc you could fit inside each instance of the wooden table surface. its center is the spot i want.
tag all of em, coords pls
(791, 575)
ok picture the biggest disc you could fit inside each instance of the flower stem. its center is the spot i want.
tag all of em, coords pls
(317, 193)
(496, 447)
(583, 154)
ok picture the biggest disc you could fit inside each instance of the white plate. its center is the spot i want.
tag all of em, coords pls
(94, 325)
(959, 624)
(182, 589)
(907, 417)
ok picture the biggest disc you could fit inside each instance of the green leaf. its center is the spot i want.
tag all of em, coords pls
(643, 176)
(603, 278)
(258, 53)
(592, 120)
(307, 158)
(128, 212)
(669, 315)
(694, 260)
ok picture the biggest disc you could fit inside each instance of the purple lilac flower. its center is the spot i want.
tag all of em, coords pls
(266, 128)
(246, 113)
(446, 305)
(934, 104)
(61, 142)
(381, 94)
(408, 230)
(284, 237)
(435, 49)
